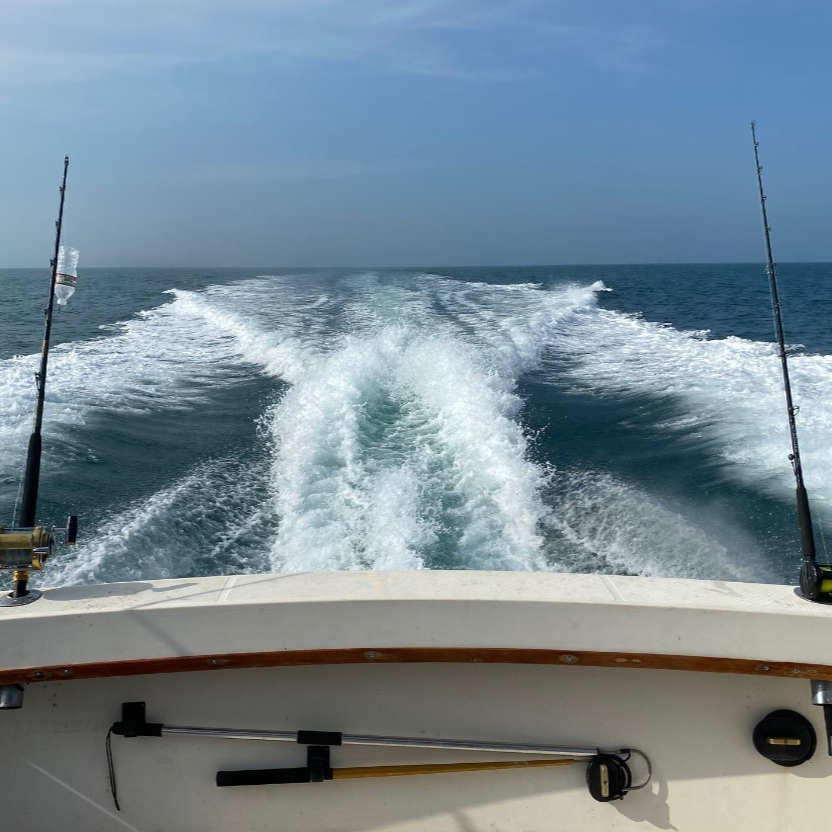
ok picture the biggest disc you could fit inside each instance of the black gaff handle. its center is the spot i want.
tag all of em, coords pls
(264, 777)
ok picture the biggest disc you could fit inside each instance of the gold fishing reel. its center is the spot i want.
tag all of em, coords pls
(22, 548)
(25, 548)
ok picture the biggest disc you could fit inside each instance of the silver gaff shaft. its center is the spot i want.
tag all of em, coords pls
(389, 742)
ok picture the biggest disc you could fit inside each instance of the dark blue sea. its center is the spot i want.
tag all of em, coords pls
(614, 419)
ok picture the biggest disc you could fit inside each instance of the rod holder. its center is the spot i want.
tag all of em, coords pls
(822, 695)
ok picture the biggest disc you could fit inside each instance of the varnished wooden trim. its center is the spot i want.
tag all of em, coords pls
(394, 655)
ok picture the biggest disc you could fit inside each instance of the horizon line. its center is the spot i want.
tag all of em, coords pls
(447, 266)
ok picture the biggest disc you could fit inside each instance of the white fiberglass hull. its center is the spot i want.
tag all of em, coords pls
(681, 670)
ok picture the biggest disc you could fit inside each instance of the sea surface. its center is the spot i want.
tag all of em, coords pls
(613, 419)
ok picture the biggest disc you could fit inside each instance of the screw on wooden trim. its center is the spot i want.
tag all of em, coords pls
(567, 658)
(763, 667)
(67, 672)
(38, 675)
(371, 654)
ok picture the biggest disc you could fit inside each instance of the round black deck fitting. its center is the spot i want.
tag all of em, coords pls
(785, 737)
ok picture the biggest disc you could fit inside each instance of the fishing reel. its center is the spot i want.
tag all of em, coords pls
(25, 548)
(816, 581)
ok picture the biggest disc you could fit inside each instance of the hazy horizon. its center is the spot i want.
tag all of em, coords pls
(444, 131)
(409, 266)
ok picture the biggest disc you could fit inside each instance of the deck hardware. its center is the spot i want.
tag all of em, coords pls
(822, 695)
(568, 658)
(134, 723)
(610, 778)
(785, 737)
(11, 697)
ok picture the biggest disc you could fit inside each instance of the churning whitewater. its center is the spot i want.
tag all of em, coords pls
(401, 420)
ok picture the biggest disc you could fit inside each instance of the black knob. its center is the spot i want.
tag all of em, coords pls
(786, 738)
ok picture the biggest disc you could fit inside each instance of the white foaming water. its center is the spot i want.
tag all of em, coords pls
(418, 406)
(392, 433)
(398, 443)
(158, 360)
(181, 529)
(730, 389)
(615, 527)
(384, 430)
(163, 358)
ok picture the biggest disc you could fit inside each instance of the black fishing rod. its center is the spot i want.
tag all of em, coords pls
(814, 580)
(27, 546)
(31, 479)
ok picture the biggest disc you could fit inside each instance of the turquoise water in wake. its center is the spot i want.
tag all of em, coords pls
(616, 419)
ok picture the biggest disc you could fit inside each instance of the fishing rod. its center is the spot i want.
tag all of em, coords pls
(815, 580)
(31, 478)
(27, 546)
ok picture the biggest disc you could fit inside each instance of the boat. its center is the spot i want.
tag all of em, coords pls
(455, 701)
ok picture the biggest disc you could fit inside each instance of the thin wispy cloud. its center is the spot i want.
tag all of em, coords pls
(289, 171)
(55, 40)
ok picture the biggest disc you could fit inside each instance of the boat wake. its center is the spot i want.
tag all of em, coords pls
(395, 437)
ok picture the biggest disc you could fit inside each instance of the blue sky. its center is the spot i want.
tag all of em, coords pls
(406, 132)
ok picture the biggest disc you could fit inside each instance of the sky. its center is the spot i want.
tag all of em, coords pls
(414, 132)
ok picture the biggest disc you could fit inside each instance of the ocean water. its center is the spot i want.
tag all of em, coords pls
(614, 419)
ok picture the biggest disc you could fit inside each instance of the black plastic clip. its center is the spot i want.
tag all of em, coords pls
(134, 723)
